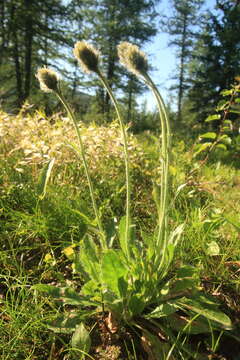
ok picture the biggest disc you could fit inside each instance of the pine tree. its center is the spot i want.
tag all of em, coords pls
(182, 27)
(31, 31)
(108, 22)
(217, 58)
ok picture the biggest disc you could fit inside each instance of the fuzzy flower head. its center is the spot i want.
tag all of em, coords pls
(132, 58)
(87, 56)
(48, 79)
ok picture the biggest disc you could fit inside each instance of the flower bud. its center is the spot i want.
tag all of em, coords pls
(131, 57)
(87, 56)
(48, 79)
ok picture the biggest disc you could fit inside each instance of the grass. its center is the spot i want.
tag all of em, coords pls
(35, 233)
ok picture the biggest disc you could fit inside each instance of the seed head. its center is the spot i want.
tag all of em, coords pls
(131, 57)
(48, 79)
(87, 56)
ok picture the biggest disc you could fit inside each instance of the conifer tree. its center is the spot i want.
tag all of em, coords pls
(182, 27)
(217, 57)
(31, 32)
(108, 22)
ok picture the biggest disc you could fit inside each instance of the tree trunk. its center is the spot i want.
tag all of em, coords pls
(28, 47)
(3, 31)
(129, 103)
(15, 55)
(182, 70)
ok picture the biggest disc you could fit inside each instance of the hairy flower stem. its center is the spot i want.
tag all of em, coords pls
(126, 157)
(164, 200)
(72, 117)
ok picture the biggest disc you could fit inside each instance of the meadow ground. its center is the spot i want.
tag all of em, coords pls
(40, 228)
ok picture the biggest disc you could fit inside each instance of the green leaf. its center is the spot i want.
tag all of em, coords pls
(89, 258)
(227, 92)
(234, 111)
(170, 249)
(83, 216)
(227, 122)
(213, 117)
(225, 139)
(64, 294)
(64, 324)
(122, 235)
(162, 310)
(187, 271)
(212, 249)
(81, 339)
(188, 325)
(206, 310)
(201, 147)
(113, 269)
(91, 289)
(156, 196)
(124, 243)
(208, 135)
(221, 146)
(122, 287)
(183, 285)
(136, 305)
(156, 349)
(44, 178)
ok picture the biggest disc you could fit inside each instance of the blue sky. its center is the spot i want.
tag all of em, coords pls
(162, 57)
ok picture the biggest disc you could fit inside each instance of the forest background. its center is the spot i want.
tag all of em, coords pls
(203, 35)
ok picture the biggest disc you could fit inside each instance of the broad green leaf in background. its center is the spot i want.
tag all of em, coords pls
(66, 323)
(188, 324)
(122, 235)
(221, 146)
(113, 269)
(206, 310)
(81, 339)
(201, 147)
(227, 92)
(225, 139)
(209, 135)
(136, 305)
(213, 117)
(162, 310)
(234, 111)
(89, 258)
(122, 287)
(64, 294)
(187, 271)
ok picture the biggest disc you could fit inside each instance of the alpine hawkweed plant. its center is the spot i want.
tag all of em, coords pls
(49, 82)
(88, 58)
(136, 62)
(130, 284)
